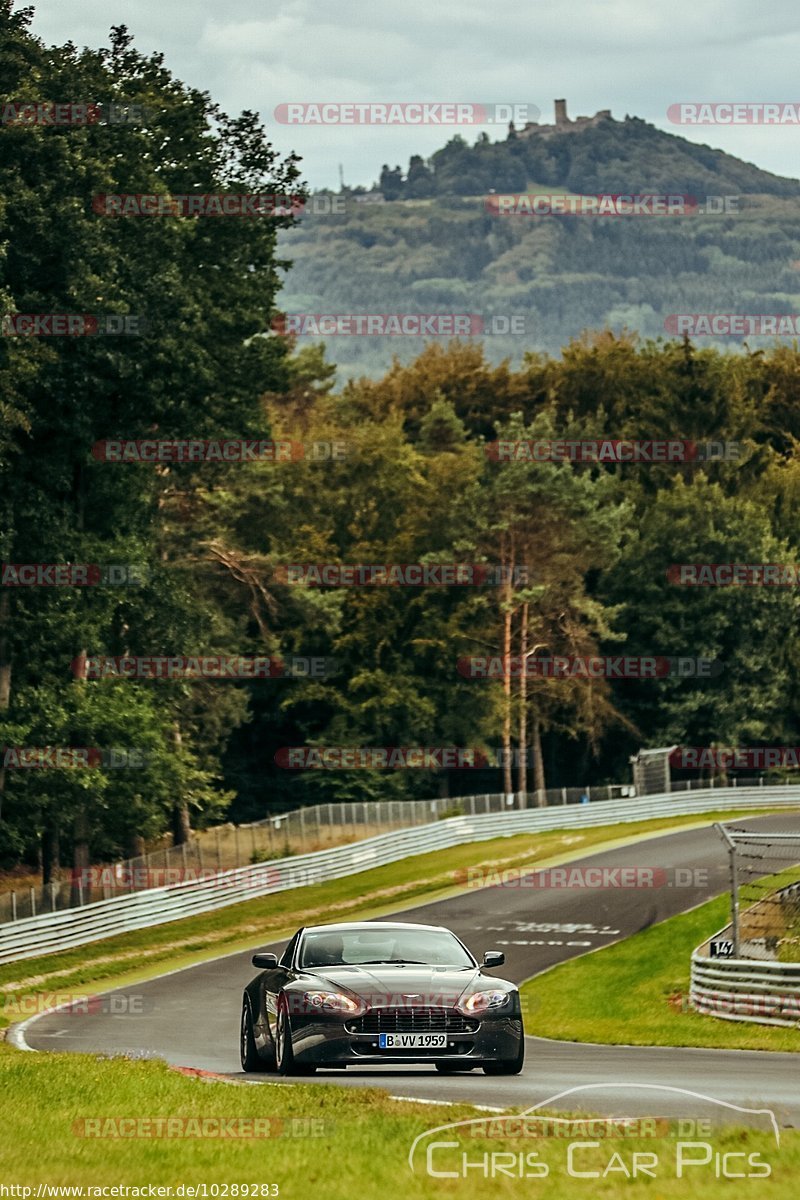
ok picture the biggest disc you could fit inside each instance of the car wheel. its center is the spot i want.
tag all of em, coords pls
(507, 1066)
(284, 1050)
(251, 1060)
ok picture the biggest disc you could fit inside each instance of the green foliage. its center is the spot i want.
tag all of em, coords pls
(416, 484)
(204, 288)
(259, 856)
(610, 156)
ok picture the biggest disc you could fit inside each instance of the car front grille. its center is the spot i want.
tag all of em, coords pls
(412, 1020)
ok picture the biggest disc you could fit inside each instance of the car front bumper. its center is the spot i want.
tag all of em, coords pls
(319, 1041)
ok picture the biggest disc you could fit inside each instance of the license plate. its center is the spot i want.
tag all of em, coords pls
(412, 1041)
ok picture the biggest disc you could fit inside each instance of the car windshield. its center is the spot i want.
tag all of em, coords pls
(353, 947)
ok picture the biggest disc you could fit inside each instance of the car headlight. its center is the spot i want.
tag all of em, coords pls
(480, 1002)
(331, 1002)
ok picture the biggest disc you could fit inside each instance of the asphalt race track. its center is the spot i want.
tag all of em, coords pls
(190, 1018)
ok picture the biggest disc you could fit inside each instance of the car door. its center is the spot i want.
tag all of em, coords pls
(275, 980)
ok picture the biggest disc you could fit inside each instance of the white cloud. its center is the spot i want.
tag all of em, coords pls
(625, 55)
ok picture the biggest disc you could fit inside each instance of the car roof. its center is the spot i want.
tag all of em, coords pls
(342, 926)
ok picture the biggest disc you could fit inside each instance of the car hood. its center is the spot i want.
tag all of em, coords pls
(386, 986)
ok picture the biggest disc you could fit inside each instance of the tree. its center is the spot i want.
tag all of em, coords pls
(751, 632)
(391, 182)
(549, 524)
(206, 288)
(419, 180)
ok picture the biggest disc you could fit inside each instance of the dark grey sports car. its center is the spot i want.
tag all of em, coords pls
(379, 992)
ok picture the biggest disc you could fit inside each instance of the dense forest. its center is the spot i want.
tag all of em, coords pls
(582, 548)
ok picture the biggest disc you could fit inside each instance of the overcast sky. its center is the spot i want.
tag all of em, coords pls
(626, 55)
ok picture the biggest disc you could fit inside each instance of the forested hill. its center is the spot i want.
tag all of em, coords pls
(609, 156)
(431, 246)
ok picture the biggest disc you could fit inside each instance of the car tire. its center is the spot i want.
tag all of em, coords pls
(284, 1050)
(507, 1066)
(248, 1051)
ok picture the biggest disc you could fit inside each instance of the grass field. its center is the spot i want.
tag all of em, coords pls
(636, 993)
(58, 1120)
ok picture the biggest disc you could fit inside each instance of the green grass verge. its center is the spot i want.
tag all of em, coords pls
(636, 993)
(133, 957)
(360, 1149)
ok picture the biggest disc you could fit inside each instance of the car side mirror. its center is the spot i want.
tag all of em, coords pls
(265, 961)
(494, 958)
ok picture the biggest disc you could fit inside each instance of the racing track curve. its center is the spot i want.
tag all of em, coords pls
(190, 1017)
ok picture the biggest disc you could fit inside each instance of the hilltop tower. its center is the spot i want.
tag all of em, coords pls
(563, 123)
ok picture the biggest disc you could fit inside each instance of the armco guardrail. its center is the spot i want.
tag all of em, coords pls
(52, 932)
(281, 835)
(741, 989)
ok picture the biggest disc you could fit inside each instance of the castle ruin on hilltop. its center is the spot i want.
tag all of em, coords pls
(563, 124)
